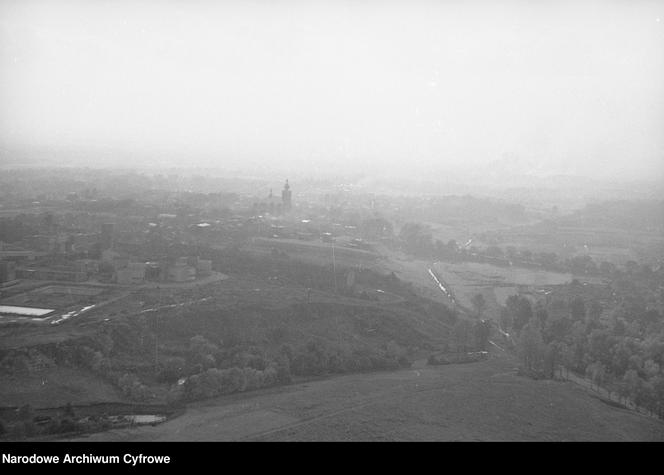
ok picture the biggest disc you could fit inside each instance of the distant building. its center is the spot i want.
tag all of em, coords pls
(91, 266)
(271, 205)
(59, 273)
(286, 195)
(17, 255)
(115, 259)
(181, 271)
(133, 274)
(40, 242)
(80, 242)
(327, 237)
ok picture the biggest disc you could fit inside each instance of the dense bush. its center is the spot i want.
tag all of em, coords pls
(316, 359)
(61, 426)
(15, 363)
(215, 382)
(133, 388)
(171, 370)
(312, 359)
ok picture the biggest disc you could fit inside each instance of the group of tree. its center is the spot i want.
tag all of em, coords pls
(469, 335)
(27, 423)
(244, 370)
(417, 239)
(620, 349)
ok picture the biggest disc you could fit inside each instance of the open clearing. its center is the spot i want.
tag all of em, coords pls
(482, 401)
(493, 282)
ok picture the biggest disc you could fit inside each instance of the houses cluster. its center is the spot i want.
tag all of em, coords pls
(112, 265)
(124, 271)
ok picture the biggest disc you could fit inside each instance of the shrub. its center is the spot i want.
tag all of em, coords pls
(69, 410)
(171, 370)
(133, 388)
(175, 394)
(68, 425)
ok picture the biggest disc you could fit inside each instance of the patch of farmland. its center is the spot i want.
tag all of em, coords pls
(490, 274)
(483, 401)
(470, 278)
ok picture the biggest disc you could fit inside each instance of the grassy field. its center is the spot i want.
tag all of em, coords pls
(56, 387)
(493, 282)
(266, 311)
(484, 401)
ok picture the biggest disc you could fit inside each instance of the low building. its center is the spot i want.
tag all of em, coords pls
(132, 274)
(17, 255)
(52, 273)
(40, 242)
(115, 259)
(154, 271)
(181, 273)
(91, 266)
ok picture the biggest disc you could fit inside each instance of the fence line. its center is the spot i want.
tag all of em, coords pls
(566, 374)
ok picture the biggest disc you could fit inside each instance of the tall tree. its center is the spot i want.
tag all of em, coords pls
(482, 333)
(479, 303)
(531, 346)
(521, 310)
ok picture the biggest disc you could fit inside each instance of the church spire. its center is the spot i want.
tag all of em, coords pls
(286, 197)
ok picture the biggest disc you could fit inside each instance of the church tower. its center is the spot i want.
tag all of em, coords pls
(286, 197)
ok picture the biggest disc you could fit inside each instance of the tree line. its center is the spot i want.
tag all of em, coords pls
(620, 349)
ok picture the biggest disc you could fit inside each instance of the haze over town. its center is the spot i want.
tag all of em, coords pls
(331, 221)
(429, 88)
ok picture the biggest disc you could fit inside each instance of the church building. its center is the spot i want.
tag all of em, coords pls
(273, 205)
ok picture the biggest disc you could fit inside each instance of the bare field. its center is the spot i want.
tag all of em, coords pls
(488, 274)
(495, 283)
(472, 402)
(271, 293)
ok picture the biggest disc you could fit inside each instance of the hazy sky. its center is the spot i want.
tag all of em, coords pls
(552, 87)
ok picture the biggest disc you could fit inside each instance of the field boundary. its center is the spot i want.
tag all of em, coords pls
(566, 374)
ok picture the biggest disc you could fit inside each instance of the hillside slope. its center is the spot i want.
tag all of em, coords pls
(474, 402)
